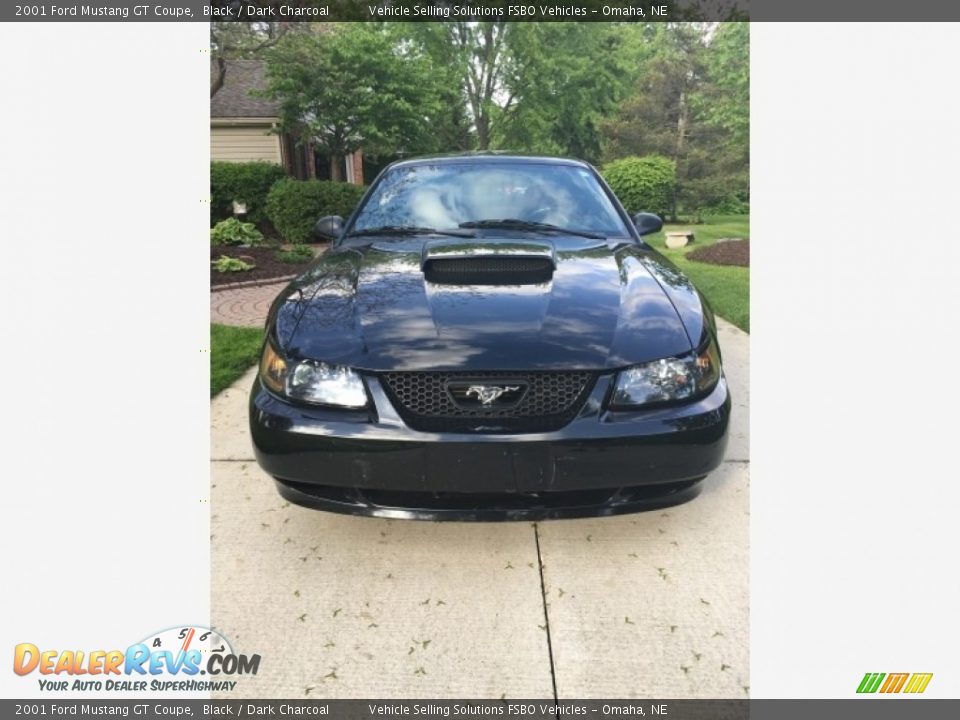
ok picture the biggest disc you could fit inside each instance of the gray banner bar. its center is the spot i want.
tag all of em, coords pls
(874, 708)
(511, 10)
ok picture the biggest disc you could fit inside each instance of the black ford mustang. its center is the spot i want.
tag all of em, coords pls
(489, 338)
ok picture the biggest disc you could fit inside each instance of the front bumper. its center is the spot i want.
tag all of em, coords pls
(601, 463)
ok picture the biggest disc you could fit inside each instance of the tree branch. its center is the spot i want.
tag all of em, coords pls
(219, 77)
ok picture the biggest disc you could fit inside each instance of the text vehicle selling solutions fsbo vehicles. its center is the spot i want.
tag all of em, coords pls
(489, 337)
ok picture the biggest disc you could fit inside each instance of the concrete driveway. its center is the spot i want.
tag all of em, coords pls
(647, 605)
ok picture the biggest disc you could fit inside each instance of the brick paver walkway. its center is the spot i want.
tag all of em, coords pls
(245, 306)
(248, 306)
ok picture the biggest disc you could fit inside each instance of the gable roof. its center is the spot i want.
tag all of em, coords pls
(234, 99)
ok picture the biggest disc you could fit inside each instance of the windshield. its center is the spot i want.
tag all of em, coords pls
(446, 195)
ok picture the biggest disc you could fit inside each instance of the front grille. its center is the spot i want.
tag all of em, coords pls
(489, 270)
(548, 401)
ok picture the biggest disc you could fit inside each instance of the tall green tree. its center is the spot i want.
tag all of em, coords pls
(475, 58)
(534, 87)
(690, 103)
(451, 127)
(564, 78)
(725, 100)
(724, 105)
(656, 118)
(351, 86)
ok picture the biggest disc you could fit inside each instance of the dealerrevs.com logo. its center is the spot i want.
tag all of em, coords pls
(910, 683)
(186, 658)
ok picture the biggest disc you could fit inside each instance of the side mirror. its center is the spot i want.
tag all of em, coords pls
(647, 223)
(328, 228)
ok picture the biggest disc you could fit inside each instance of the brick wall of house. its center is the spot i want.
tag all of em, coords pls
(357, 159)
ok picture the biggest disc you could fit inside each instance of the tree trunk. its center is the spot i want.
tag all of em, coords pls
(311, 160)
(682, 122)
(483, 132)
(336, 168)
(219, 77)
(681, 126)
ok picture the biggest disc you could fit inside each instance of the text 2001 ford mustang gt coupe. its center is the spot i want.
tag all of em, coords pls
(489, 338)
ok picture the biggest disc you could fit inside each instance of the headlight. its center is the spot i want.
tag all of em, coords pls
(312, 381)
(669, 380)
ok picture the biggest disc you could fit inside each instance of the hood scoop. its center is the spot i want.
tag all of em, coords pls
(489, 270)
(471, 263)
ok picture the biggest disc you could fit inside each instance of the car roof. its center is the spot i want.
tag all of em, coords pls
(487, 157)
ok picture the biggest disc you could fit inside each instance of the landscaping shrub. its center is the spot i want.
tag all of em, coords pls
(226, 264)
(643, 184)
(244, 182)
(234, 232)
(731, 204)
(296, 254)
(714, 195)
(294, 206)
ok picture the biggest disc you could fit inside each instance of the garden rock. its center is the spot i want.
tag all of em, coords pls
(679, 239)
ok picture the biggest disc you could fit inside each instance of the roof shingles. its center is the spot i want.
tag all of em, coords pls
(233, 100)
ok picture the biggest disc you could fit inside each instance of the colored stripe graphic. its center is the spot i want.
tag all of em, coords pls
(918, 682)
(870, 682)
(894, 682)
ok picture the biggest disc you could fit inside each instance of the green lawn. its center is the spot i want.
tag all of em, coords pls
(233, 350)
(726, 287)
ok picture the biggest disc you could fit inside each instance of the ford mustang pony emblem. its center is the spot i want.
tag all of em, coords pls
(489, 393)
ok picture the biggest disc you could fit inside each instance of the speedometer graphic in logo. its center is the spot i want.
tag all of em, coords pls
(186, 640)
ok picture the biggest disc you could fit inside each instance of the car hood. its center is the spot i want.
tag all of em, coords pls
(608, 304)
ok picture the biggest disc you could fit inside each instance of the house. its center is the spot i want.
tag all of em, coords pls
(243, 128)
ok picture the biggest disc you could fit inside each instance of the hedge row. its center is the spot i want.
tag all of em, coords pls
(244, 182)
(291, 206)
(294, 206)
(643, 184)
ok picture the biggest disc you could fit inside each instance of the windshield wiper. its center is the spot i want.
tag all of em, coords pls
(514, 224)
(407, 230)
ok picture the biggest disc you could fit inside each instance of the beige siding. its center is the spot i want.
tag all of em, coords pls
(244, 143)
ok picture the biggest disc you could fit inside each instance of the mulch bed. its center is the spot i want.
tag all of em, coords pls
(267, 266)
(727, 252)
